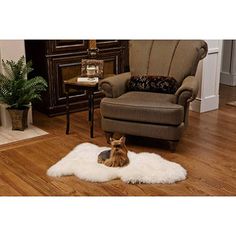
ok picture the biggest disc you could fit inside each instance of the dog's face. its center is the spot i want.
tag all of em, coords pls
(118, 154)
(117, 144)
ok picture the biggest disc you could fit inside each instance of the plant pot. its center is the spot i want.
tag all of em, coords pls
(19, 118)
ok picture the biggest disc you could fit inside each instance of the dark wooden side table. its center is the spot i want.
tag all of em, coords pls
(90, 88)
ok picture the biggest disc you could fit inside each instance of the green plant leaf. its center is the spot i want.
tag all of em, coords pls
(15, 89)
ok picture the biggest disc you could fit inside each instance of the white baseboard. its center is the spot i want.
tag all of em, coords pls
(227, 79)
(206, 104)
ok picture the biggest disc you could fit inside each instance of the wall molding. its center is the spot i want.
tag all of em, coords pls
(212, 50)
(208, 74)
(205, 104)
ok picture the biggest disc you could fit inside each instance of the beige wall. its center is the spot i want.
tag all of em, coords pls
(11, 50)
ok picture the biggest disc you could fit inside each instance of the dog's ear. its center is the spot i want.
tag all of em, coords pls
(111, 139)
(122, 139)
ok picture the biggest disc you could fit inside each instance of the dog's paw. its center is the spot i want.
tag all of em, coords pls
(108, 163)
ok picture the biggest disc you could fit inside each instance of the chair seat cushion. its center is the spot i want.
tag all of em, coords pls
(144, 107)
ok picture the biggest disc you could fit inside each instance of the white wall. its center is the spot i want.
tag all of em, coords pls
(208, 73)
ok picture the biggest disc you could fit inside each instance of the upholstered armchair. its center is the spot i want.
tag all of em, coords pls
(156, 115)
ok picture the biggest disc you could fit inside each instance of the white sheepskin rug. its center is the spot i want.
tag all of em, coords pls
(144, 167)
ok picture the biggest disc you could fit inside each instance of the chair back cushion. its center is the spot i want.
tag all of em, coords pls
(173, 58)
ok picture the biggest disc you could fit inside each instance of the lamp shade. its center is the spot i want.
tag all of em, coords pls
(92, 44)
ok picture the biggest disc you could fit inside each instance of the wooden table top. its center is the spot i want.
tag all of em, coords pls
(73, 82)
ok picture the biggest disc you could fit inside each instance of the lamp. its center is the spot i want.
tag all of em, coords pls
(92, 50)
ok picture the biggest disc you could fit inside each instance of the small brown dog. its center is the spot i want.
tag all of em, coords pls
(117, 156)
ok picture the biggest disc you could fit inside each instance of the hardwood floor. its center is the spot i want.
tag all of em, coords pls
(207, 150)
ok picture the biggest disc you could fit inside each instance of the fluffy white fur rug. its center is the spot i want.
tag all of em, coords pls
(143, 167)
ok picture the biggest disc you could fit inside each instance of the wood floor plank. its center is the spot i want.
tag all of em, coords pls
(5, 188)
(29, 176)
(13, 181)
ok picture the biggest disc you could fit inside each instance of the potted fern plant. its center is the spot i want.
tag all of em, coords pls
(18, 92)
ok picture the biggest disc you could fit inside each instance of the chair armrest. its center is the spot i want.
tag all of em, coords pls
(187, 92)
(114, 86)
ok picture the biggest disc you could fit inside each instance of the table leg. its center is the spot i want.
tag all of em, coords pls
(67, 112)
(91, 114)
(89, 106)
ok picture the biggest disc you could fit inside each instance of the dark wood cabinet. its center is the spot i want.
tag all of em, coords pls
(59, 60)
(66, 46)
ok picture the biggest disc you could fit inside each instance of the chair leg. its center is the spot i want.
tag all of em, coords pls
(108, 135)
(173, 145)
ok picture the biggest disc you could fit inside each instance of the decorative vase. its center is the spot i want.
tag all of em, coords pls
(19, 118)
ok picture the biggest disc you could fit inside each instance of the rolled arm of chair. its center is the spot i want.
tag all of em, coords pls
(187, 92)
(115, 86)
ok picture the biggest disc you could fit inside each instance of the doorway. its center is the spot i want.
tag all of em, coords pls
(227, 89)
